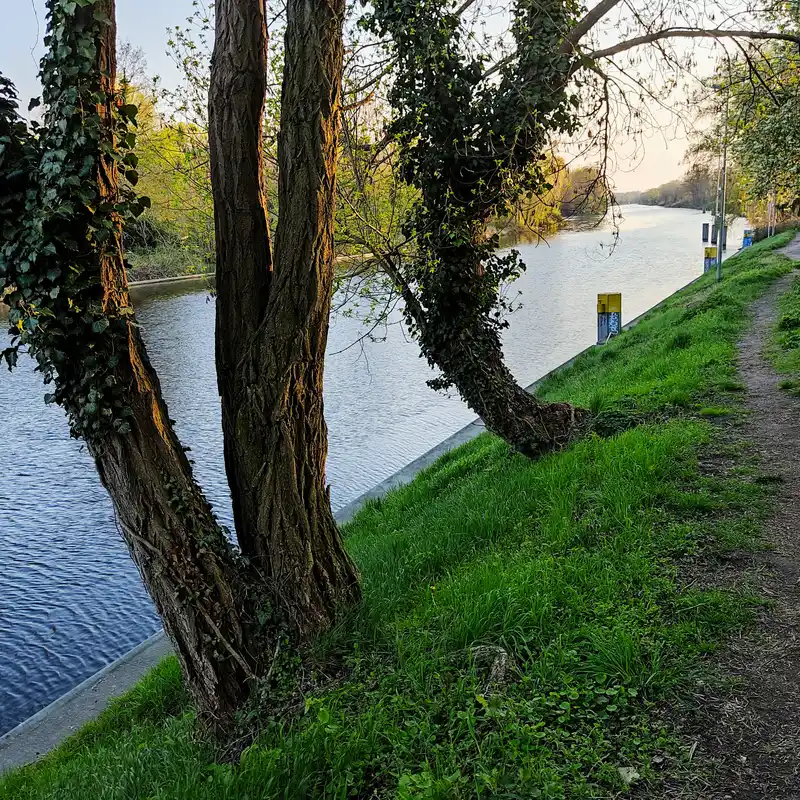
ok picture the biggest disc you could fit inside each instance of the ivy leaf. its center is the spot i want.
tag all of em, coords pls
(10, 354)
(99, 325)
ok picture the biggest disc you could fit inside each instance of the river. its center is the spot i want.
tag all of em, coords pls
(71, 598)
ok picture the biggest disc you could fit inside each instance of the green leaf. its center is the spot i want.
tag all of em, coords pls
(10, 355)
(99, 325)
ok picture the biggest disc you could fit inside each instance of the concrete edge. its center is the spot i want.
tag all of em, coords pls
(410, 471)
(46, 729)
(195, 276)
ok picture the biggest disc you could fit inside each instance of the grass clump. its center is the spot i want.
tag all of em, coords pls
(522, 620)
(715, 411)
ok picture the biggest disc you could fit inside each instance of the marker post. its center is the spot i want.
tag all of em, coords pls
(609, 316)
(709, 258)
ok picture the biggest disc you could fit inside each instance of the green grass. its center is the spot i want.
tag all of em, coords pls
(167, 260)
(568, 565)
(784, 349)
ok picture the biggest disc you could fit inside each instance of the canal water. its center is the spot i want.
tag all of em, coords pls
(70, 598)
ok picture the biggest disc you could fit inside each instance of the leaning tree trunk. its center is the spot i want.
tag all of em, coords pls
(202, 594)
(472, 154)
(272, 319)
(478, 370)
(459, 336)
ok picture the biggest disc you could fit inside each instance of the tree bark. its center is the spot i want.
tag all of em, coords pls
(270, 365)
(451, 316)
(206, 599)
(243, 249)
(487, 386)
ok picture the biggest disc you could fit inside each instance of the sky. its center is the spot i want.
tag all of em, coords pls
(145, 22)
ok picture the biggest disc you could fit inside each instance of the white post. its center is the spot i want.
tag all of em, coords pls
(721, 228)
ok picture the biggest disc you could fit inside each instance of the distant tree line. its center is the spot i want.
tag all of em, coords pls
(574, 191)
(696, 189)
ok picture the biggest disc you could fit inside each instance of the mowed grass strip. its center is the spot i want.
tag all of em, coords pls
(523, 621)
(784, 349)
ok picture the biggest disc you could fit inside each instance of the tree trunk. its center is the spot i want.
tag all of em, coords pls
(485, 383)
(271, 359)
(458, 333)
(204, 596)
(243, 250)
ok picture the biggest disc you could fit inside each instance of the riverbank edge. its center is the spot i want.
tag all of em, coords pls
(193, 276)
(42, 732)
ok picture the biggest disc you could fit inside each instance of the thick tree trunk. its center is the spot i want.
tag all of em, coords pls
(203, 595)
(485, 383)
(452, 316)
(244, 253)
(271, 362)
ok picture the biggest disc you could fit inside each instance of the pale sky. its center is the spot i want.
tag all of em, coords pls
(144, 23)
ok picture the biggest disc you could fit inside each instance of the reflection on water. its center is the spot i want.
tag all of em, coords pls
(71, 599)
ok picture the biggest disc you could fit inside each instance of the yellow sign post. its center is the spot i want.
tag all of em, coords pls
(609, 316)
(709, 258)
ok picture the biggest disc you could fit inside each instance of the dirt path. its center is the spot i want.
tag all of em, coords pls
(748, 742)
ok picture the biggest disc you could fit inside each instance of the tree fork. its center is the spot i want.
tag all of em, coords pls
(272, 318)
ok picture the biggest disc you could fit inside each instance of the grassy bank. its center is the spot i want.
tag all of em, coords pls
(524, 623)
(785, 344)
(167, 261)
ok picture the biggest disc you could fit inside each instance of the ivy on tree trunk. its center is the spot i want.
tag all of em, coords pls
(64, 274)
(472, 147)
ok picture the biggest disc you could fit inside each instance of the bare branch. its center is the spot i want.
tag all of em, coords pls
(689, 33)
(587, 23)
(463, 7)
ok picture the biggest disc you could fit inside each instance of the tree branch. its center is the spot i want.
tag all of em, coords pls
(587, 23)
(463, 7)
(689, 33)
(754, 71)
